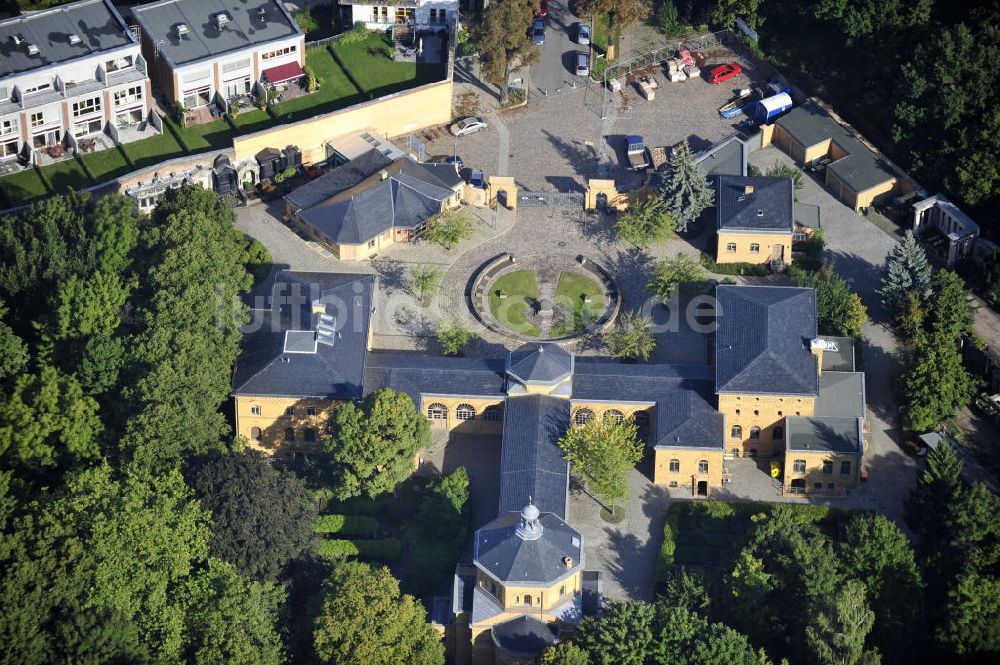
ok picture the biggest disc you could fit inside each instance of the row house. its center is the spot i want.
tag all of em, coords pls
(417, 15)
(204, 52)
(67, 74)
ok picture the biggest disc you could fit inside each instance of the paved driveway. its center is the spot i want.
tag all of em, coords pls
(556, 69)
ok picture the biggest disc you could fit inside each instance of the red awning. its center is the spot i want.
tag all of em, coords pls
(290, 71)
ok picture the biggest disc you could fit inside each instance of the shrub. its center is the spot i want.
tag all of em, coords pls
(755, 269)
(348, 525)
(355, 35)
(306, 21)
(337, 549)
(665, 562)
(383, 549)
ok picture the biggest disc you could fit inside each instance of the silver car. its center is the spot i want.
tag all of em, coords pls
(467, 126)
(582, 34)
(582, 64)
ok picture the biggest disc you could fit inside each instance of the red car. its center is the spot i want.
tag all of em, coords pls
(724, 73)
(543, 9)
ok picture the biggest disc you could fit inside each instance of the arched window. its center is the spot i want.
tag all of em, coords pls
(492, 414)
(255, 433)
(583, 416)
(562, 591)
(703, 466)
(754, 432)
(736, 432)
(289, 434)
(437, 411)
(641, 418)
(517, 600)
(675, 466)
(527, 601)
(465, 412)
(309, 435)
(614, 415)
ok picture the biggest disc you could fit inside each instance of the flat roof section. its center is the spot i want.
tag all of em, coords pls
(96, 25)
(822, 435)
(247, 23)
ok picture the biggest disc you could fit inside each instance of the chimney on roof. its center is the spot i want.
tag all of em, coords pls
(261, 14)
(568, 561)
(383, 174)
(74, 39)
(221, 19)
(748, 190)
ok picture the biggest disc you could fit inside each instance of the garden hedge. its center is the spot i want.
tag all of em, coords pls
(348, 525)
(380, 549)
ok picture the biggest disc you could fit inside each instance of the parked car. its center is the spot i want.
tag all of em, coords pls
(582, 64)
(538, 31)
(582, 34)
(543, 9)
(467, 126)
(477, 179)
(724, 73)
(456, 160)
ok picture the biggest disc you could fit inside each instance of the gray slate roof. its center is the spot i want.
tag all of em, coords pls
(204, 39)
(525, 636)
(540, 363)
(762, 340)
(727, 157)
(512, 560)
(767, 209)
(96, 22)
(806, 215)
(531, 462)
(841, 394)
(334, 371)
(682, 396)
(834, 435)
(408, 195)
(417, 374)
(339, 179)
(861, 169)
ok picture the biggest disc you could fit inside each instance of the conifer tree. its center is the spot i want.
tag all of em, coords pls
(906, 269)
(685, 189)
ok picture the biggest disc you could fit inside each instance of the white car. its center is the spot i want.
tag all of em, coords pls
(582, 34)
(467, 126)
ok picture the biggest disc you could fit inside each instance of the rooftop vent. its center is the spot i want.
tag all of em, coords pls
(261, 14)
(568, 561)
(760, 213)
(383, 174)
(17, 39)
(32, 49)
(748, 190)
(221, 19)
(181, 29)
(74, 39)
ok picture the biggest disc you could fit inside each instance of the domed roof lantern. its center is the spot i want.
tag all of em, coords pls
(529, 528)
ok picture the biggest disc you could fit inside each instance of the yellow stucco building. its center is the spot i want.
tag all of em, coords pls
(754, 220)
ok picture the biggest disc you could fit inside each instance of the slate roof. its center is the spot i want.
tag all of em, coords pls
(408, 195)
(417, 374)
(762, 340)
(513, 560)
(540, 363)
(767, 209)
(96, 22)
(727, 157)
(337, 180)
(860, 169)
(806, 215)
(531, 462)
(203, 39)
(834, 435)
(682, 397)
(841, 394)
(334, 371)
(525, 636)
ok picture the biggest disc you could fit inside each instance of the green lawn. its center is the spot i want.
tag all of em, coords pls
(520, 288)
(216, 135)
(599, 34)
(67, 175)
(370, 65)
(153, 150)
(336, 90)
(106, 164)
(21, 187)
(249, 122)
(571, 293)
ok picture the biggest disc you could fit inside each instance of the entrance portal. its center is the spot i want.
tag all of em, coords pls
(702, 488)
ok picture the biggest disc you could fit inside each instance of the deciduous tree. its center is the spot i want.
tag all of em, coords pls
(423, 280)
(685, 190)
(644, 224)
(365, 619)
(621, 13)
(837, 634)
(454, 336)
(262, 517)
(449, 228)
(503, 41)
(678, 272)
(373, 444)
(631, 337)
(839, 310)
(602, 452)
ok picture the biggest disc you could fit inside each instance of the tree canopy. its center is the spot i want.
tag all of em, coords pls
(906, 269)
(631, 337)
(602, 451)
(503, 41)
(684, 189)
(839, 310)
(373, 444)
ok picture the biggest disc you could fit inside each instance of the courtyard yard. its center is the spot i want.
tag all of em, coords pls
(584, 299)
(518, 289)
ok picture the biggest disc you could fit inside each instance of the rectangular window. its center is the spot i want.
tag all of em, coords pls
(817, 486)
(827, 467)
(118, 64)
(777, 433)
(754, 248)
(4, 94)
(8, 127)
(37, 87)
(731, 248)
(276, 53)
(310, 410)
(89, 127)
(845, 468)
(673, 483)
(87, 106)
(8, 149)
(403, 14)
(799, 466)
(128, 96)
(703, 466)
(289, 410)
(255, 410)
(675, 466)
(37, 119)
(197, 75)
(371, 244)
(235, 64)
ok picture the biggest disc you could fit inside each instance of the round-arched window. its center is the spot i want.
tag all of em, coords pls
(465, 412)
(583, 416)
(437, 411)
(614, 415)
